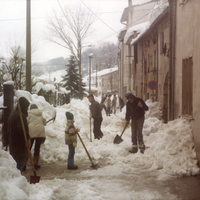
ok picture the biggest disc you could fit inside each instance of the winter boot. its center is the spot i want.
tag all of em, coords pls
(141, 147)
(71, 164)
(134, 149)
(36, 160)
(73, 167)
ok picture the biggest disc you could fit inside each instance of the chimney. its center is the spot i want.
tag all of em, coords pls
(129, 3)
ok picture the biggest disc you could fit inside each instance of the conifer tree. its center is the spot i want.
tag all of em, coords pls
(71, 79)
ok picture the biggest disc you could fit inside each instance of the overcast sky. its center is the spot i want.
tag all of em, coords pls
(13, 24)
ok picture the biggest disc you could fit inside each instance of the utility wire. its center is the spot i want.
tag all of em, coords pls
(97, 16)
(128, 26)
(20, 19)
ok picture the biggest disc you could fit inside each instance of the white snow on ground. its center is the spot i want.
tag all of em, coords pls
(170, 152)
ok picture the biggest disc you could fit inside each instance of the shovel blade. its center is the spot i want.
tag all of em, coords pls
(117, 139)
(95, 166)
(34, 179)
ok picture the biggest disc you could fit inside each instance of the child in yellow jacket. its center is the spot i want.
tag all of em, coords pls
(71, 139)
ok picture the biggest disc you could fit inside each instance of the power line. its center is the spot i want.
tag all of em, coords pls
(129, 25)
(97, 16)
(20, 19)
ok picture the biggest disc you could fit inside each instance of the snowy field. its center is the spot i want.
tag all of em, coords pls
(170, 153)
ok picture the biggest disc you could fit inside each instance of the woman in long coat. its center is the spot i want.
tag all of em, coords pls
(17, 145)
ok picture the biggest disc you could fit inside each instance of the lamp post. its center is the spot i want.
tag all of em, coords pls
(28, 46)
(80, 63)
(90, 59)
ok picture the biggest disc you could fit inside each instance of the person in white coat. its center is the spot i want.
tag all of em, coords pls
(36, 123)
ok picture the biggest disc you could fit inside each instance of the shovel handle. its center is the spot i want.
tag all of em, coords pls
(123, 130)
(85, 148)
(24, 131)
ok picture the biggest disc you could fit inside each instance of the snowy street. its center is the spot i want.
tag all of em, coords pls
(150, 176)
(173, 188)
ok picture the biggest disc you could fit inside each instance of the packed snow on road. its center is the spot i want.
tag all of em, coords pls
(169, 153)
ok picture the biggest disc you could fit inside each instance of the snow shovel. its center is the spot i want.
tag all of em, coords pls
(33, 179)
(53, 118)
(118, 139)
(93, 165)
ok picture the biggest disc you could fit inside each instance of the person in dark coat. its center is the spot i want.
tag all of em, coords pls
(103, 101)
(17, 145)
(135, 111)
(95, 110)
(121, 104)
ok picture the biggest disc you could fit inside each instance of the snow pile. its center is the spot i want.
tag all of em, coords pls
(170, 152)
(172, 148)
(45, 87)
(12, 184)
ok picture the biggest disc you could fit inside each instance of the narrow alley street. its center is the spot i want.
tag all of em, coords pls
(176, 188)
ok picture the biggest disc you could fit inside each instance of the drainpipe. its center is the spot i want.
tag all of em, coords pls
(122, 72)
(142, 71)
(157, 68)
(172, 35)
(119, 68)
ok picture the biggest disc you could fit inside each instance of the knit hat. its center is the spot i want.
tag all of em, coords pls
(69, 115)
(33, 106)
(24, 104)
(90, 95)
(129, 95)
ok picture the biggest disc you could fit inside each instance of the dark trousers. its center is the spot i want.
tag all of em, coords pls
(20, 164)
(38, 142)
(136, 128)
(108, 111)
(71, 155)
(97, 128)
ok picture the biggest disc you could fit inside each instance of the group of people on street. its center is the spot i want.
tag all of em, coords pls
(34, 130)
(110, 106)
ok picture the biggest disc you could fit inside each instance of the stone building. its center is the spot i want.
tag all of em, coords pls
(105, 81)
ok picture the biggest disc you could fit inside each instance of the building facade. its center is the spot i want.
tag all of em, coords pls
(165, 49)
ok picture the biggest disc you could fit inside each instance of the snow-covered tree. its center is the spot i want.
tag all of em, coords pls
(71, 80)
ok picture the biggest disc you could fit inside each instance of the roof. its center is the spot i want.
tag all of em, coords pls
(122, 34)
(102, 72)
(133, 31)
(155, 16)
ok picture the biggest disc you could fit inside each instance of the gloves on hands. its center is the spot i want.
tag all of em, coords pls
(74, 144)
(78, 129)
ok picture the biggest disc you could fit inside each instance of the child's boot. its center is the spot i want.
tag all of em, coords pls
(71, 164)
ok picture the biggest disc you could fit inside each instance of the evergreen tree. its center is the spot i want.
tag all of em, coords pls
(71, 79)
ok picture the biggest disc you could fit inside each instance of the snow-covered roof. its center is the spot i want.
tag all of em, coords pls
(153, 16)
(134, 29)
(102, 73)
(122, 34)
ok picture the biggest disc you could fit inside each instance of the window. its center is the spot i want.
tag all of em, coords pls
(187, 89)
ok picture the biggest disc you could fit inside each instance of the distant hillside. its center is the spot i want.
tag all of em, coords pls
(53, 65)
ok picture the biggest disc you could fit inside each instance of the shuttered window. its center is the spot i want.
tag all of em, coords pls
(187, 89)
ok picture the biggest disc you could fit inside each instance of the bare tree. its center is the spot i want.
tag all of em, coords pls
(14, 66)
(70, 30)
(104, 56)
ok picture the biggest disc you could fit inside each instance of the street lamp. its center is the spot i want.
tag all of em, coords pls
(80, 63)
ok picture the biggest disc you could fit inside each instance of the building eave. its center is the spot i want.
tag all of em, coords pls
(152, 26)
